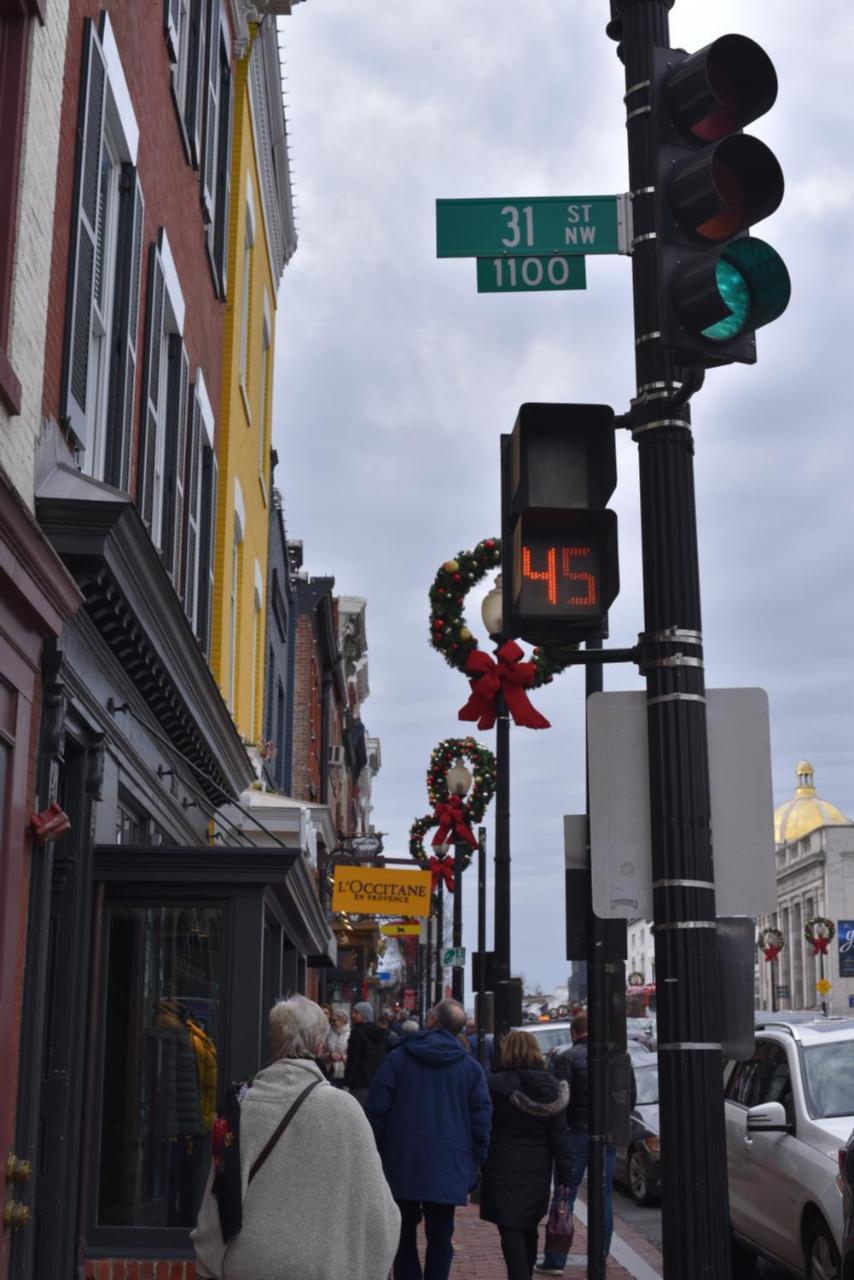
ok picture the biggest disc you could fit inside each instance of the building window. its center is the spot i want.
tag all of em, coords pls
(245, 306)
(216, 159)
(165, 382)
(15, 29)
(163, 1026)
(236, 593)
(196, 544)
(263, 402)
(187, 26)
(99, 370)
(257, 730)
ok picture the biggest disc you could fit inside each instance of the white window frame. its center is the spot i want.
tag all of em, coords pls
(236, 584)
(173, 323)
(246, 293)
(257, 660)
(264, 436)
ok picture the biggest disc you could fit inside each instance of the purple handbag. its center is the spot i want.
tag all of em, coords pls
(559, 1227)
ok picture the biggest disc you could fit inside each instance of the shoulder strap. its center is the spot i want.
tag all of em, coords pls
(281, 1126)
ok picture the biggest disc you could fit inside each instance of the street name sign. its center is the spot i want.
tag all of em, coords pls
(511, 274)
(380, 891)
(454, 956)
(742, 803)
(531, 227)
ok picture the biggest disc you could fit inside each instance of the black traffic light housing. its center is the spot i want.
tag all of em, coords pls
(559, 561)
(717, 285)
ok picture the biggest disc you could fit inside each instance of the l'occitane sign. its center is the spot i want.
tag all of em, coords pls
(379, 891)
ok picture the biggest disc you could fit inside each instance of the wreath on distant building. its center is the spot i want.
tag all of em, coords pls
(635, 979)
(820, 932)
(771, 943)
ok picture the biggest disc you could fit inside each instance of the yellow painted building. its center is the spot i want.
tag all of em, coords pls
(261, 239)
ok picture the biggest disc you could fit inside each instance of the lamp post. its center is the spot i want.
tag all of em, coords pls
(491, 611)
(458, 780)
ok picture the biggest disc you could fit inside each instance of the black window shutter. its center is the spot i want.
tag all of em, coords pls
(175, 426)
(196, 77)
(223, 180)
(192, 500)
(211, 106)
(207, 531)
(125, 330)
(172, 22)
(84, 236)
(152, 408)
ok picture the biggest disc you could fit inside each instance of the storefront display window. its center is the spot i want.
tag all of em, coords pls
(164, 1024)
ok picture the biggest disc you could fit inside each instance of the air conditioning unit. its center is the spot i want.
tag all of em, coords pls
(336, 757)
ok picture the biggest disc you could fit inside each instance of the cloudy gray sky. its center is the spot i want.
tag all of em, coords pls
(394, 378)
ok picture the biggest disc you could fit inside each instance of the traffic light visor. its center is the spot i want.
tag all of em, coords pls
(724, 189)
(721, 88)
(753, 287)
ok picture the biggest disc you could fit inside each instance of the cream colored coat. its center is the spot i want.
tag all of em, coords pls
(320, 1207)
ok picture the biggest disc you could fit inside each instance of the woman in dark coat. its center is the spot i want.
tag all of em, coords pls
(528, 1134)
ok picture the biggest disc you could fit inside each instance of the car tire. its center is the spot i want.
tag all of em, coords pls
(821, 1254)
(637, 1179)
(743, 1261)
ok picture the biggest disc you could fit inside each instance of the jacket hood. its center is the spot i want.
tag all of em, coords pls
(535, 1092)
(434, 1048)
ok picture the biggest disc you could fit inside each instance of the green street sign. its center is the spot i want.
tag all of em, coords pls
(454, 956)
(530, 275)
(529, 227)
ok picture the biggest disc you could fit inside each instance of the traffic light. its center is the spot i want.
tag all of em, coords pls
(560, 572)
(717, 284)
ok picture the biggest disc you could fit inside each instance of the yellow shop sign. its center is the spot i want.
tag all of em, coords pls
(401, 929)
(380, 891)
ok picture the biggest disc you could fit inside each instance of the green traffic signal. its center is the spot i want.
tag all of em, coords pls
(754, 288)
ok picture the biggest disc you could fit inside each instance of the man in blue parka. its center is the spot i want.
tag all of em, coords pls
(431, 1112)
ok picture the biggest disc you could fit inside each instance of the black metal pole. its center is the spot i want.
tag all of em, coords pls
(597, 1051)
(695, 1207)
(428, 970)
(440, 941)
(480, 1007)
(458, 973)
(501, 936)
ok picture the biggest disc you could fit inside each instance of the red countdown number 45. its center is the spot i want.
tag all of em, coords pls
(565, 557)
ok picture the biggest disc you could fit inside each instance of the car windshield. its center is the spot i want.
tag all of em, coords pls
(829, 1079)
(646, 1080)
(548, 1037)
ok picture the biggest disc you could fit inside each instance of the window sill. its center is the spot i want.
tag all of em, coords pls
(262, 486)
(10, 387)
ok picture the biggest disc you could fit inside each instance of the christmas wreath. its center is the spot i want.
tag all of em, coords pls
(820, 932)
(453, 815)
(771, 943)
(635, 979)
(451, 636)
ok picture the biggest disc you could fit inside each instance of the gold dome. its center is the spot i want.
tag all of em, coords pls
(807, 811)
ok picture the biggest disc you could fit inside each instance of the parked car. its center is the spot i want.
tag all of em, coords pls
(789, 1109)
(640, 1029)
(638, 1166)
(846, 1179)
(550, 1036)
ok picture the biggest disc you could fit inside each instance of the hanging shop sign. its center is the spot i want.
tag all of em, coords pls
(845, 934)
(380, 891)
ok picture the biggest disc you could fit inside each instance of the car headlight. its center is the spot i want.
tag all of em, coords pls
(652, 1144)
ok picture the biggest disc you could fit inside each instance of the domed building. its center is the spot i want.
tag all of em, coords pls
(814, 844)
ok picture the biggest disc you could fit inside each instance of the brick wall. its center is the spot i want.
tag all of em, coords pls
(170, 187)
(28, 318)
(307, 724)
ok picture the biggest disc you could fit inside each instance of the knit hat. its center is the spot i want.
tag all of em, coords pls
(365, 1009)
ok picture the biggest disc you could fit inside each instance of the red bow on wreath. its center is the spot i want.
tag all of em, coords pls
(819, 945)
(510, 676)
(451, 818)
(442, 869)
(771, 952)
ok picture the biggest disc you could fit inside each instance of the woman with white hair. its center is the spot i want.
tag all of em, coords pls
(307, 1198)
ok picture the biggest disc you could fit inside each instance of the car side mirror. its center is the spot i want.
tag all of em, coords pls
(768, 1117)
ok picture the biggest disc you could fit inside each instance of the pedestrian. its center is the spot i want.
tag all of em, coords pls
(571, 1067)
(335, 1050)
(366, 1049)
(430, 1109)
(408, 1028)
(529, 1137)
(319, 1205)
(488, 1041)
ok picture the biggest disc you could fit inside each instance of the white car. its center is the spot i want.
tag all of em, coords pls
(788, 1111)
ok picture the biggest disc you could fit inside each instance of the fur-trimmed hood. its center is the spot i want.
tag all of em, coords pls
(532, 1091)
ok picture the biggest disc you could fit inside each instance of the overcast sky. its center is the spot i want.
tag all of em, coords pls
(395, 378)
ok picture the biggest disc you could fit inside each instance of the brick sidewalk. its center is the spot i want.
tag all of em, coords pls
(477, 1250)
